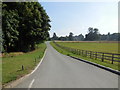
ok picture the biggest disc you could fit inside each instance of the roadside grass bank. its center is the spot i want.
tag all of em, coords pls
(17, 66)
(107, 64)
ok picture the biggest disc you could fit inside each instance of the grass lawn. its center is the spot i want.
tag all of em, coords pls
(12, 66)
(98, 47)
(107, 64)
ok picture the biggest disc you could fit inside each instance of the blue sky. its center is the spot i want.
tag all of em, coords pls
(77, 17)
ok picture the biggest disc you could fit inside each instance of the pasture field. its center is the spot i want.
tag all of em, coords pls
(107, 47)
(12, 65)
(110, 48)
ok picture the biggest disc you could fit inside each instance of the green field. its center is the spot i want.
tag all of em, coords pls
(93, 48)
(12, 65)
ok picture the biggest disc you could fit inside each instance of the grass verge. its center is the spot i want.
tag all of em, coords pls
(12, 66)
(113, 66)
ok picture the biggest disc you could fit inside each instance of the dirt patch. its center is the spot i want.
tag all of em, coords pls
(11, 54)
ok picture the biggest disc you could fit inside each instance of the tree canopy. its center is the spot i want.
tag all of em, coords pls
(70, 37)
(55, 37)
(93, 34)
(25, 24)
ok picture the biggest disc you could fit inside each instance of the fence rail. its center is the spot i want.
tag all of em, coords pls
(112, 57)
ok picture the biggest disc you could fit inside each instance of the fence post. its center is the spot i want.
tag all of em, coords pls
(70, 50)
(35, 60)
(82, 52)
(96, 56)
(75, 51)
(22, 67)
(112, 58)
(86, 53)
(90, 54)
(102, 57)
(79, 52)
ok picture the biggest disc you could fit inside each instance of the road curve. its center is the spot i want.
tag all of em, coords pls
(60, 71)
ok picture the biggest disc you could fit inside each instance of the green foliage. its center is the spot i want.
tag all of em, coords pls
(80, 37)
(70, 36)
(25, 24)
(110, 37)
(55, 37)
(92, 35)
(10, 25)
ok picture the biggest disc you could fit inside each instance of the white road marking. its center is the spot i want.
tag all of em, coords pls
(39, 63)
(31, 84)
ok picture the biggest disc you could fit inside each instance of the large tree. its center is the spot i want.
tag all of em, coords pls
(70, 37)
(55, 37)
(10, 27)
(25, 25)
(93, 34)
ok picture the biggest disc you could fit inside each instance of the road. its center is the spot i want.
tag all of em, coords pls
(60, 71)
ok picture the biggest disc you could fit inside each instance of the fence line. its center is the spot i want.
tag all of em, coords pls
(93, 55)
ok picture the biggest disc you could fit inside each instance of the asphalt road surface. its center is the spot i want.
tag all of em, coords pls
(60, 71)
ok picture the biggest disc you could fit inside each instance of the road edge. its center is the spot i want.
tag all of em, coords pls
(92, 63)
(98, 65)
(16, 82)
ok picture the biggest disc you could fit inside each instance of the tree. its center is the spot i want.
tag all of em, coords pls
(108, 36)
(90, 29)
(54, 37)
(80, 37)
(96, 34)
(10, 27)
(92, 35)
(25, 24)
(70, 37)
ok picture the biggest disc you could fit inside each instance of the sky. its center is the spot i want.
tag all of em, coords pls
(77, 17)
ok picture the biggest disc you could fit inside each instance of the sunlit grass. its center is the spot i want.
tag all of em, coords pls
(98, 47)
(12, 66)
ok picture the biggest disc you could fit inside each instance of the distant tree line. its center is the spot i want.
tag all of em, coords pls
(92, 35)
(24, 24)
(110, 37)
(71, 37)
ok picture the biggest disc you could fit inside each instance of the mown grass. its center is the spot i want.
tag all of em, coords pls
(92, 46)
(12, 66)
(113, 66)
